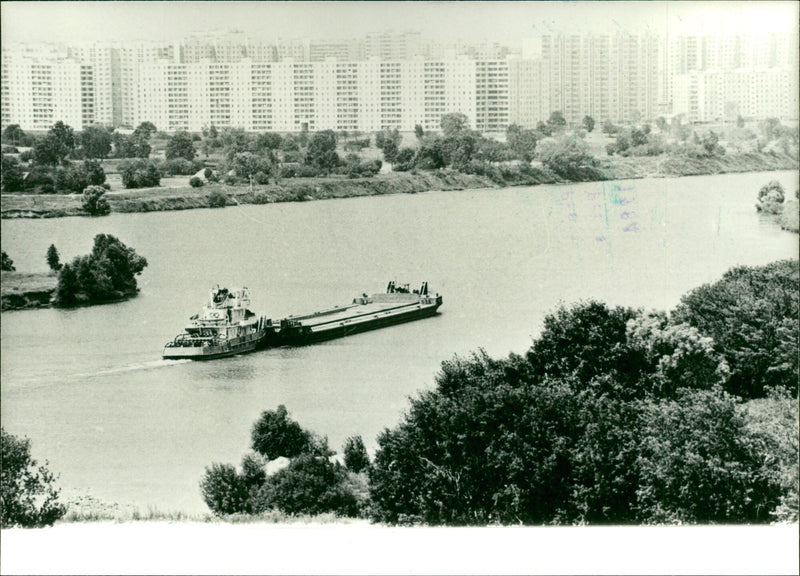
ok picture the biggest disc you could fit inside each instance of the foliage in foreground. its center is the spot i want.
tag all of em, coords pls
(753, 316)
(29, 498)
(614, 416)
(108, 273)
(309, 484)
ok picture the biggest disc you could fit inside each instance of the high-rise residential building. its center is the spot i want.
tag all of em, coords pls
(608, 77)
(39, 91)
(395, 80)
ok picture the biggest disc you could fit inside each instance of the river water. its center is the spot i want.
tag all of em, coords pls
(89, 389)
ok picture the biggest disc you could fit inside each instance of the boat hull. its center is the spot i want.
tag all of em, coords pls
(340, 330)
(214, 352)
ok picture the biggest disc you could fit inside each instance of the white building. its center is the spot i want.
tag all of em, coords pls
(38, 92)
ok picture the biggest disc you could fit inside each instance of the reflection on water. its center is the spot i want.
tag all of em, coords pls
(90, 390)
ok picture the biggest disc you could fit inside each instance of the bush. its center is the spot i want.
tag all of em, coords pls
(29, 498)
(355, 455)
(771, 198)
(224, 490)
(196, 182)
(94, 203)
(7, 263)
(309, 485)
(140, 174)
(26, 156)
(180, 167)
(217, 199)
(10, 150)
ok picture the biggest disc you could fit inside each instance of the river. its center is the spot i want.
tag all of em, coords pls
(89, 389)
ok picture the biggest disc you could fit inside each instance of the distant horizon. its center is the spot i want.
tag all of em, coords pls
(505, 23)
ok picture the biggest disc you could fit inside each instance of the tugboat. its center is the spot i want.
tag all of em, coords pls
(224, 327)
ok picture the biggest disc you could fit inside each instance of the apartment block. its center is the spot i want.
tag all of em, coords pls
(38, 92)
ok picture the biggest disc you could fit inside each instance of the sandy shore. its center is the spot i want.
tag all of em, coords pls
(360, 548)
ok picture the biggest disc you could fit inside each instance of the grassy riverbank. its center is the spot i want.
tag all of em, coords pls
(21, 290)
(305, 189)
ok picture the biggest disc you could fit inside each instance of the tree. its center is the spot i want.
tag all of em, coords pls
(94, 172)
(107, 273)
(47, 151)
(556, 122)
(389, 141)
(585, 341)
(771, 197)
(7, 263)
(94, 203)
(268, 141)
(96, 142)
(700, 464)
(145, 130)
(11, 175)
(133, 146)
(196, 182)
(275, 434)
(180, 146)
(53, 260)
(522, 142)
(751, 314)
(322, 151)
(710, 142)
(419, 132)
(64, 135)
(568, 157)
(15, 135)
(661, 123)
(355, 454)
(454, 123)
(588, 123)
(248, 165)
(29, 497)
(140, 174)
(224, 490)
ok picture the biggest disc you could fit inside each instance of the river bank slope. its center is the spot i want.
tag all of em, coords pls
(305, 189)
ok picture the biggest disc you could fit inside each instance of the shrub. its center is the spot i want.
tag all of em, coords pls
(217, 199)
(309, 485)
(10, 150)
(29, 497)
(355, 454)
(180, 167)
(196, 182)
(26, 156)
(7, 263)
(94, 203)
(210, 176)
(771, 198)
(140, 174)
(224, 490)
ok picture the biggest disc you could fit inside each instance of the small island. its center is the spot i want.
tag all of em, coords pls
(107, 274)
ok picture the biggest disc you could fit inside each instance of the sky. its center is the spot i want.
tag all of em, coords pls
(504, 22)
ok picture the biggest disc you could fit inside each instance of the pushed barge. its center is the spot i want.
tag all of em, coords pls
(225, 329)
